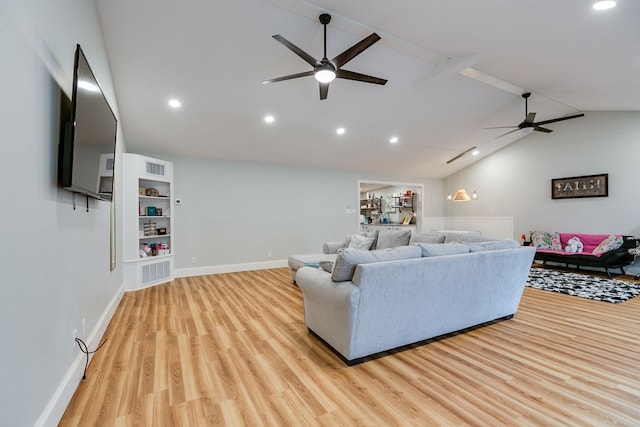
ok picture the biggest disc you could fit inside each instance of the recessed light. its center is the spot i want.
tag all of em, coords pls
(174, 103)
(269, 119)
(394, 139)
(604, 5)
(340, 131)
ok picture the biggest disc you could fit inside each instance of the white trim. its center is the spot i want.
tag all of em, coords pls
(52, 413)
(229, 268)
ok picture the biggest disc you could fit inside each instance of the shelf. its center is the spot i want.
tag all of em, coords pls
(155, 197)
(154, 237)
(153, 216)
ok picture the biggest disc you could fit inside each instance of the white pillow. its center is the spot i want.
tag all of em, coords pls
(361, 242)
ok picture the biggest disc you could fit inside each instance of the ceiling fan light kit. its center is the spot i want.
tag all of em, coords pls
(325, 70)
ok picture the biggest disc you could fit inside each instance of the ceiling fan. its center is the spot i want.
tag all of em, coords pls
(325, 70)
(528, 122)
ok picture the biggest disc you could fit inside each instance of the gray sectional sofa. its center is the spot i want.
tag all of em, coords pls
(367, 302)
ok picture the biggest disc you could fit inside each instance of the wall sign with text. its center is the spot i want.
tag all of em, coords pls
(580, 186)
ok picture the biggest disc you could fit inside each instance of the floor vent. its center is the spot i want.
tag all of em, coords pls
(155, 169)
(154, 272)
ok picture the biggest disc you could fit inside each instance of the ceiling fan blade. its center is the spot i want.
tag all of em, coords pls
(295, 49)
(354, 50)
(351, 75)
(289, 77)
(501, 127)
(541, 129)
(461, 154)
(504, 134)
(530, 118)
(324, 90)
(559, 119)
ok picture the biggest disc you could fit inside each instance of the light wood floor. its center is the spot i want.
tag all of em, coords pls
(232, 349)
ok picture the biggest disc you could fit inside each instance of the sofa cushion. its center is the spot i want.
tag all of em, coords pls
(426, 238)
(493, 245)
(392, 238)
(611, 243)
(361, 242)
(466, 237)
(546, 240)
(349, 258)
(439, 249)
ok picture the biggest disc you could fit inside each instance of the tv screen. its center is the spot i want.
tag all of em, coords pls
(88, 136)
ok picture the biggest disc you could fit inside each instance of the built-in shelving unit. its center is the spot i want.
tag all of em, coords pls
(148, 221)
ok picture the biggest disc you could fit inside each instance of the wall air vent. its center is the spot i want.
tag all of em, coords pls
(152, 273)
(154, 169)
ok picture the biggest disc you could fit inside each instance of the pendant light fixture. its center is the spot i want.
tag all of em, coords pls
(462, 195)
(474, 195)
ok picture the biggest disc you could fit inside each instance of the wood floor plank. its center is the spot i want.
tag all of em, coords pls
(233, 350)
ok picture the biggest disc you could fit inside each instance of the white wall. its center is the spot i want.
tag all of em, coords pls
(516, 181)
(54, 259)
(237, 212)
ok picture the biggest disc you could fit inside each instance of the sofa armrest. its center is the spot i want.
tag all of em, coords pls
(330, 308)
(332, 247)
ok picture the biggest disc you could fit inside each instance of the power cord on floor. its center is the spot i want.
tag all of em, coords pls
(85, 350)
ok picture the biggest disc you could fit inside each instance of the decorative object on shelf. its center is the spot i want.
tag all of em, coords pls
(150, 228)
(151, 211)
(142, 191)
(580, 186)
(162, 231)
(152, 192)
(158, 211)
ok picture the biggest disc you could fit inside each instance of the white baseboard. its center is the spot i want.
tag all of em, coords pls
(229, 268)
(58, 403)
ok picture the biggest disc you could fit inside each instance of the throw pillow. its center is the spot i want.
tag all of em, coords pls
(327, 266)
(392, 238)
(494, 245)
(361, 242)
(440, 249)
(373, 234)
(348, 259)
(611, 243)
(426, 238)
(544, 240)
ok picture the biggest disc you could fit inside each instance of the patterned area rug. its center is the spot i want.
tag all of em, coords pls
(582, 285)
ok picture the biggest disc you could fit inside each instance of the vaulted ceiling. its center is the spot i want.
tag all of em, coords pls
(453, 68)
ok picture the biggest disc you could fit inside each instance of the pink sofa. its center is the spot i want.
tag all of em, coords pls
(615, 258)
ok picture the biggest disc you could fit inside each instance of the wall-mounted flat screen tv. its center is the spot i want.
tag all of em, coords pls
(87, 144)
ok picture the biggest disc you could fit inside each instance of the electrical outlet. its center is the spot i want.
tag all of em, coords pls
(75, 335)
(270, 254)
(193, 260)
